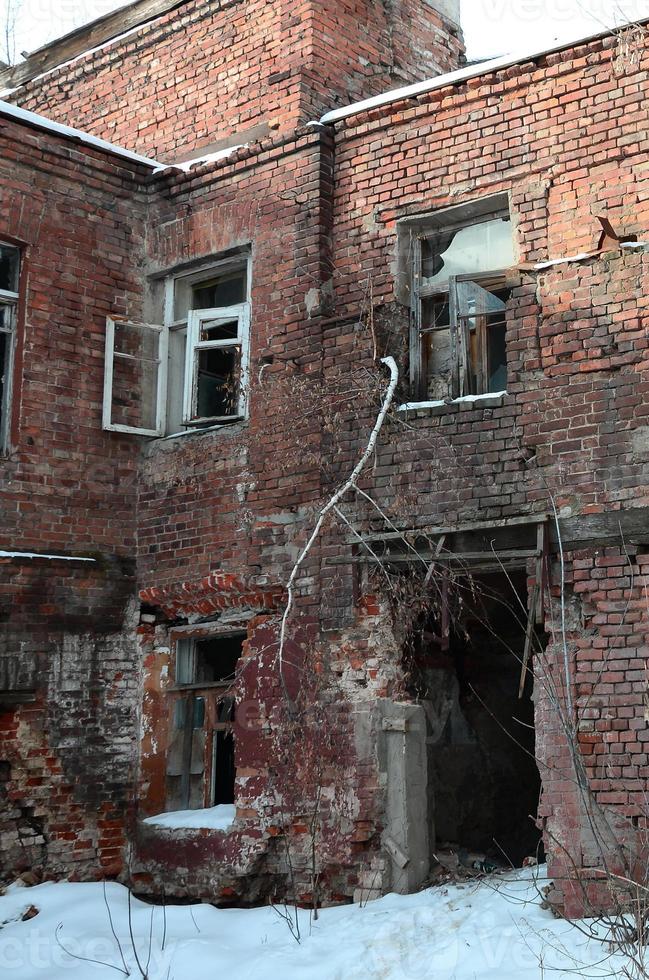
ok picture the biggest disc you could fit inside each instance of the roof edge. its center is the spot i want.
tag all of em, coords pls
(36, 121)
(100, 31)
(464, 74)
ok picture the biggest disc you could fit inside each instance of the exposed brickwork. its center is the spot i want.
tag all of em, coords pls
(216, 519)
(68, 489)
(232, 65)
(573, 424)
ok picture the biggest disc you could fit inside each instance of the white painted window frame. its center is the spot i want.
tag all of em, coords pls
(241, 343)
(9, 300)
(161, 387)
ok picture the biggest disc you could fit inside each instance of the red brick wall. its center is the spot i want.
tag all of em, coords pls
(68, 488)
(207, 70)
(564, 138)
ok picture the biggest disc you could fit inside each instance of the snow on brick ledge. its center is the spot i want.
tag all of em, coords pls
(213, 818)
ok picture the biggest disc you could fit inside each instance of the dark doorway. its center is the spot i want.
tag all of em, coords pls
(484, 783)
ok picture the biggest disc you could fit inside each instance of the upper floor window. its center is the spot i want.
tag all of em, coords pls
(191, 370)
(208, 315)
(459, 294)
(9, 285)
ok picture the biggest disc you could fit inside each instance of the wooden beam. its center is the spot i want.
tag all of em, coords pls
(85, 38)
(613, 528)
(469, 558)
(434, 531)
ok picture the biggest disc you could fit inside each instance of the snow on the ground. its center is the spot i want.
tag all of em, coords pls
(212, 818)
(495, 929)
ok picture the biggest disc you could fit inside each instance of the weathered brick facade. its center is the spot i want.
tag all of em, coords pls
(68, 489)
(204, 528)
(206, 71)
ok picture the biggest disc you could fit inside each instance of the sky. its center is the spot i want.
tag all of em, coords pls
(491, 27)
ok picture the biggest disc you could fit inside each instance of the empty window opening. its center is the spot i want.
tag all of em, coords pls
(466, 665)
(459, 295)
(212, 660)
(201, 759)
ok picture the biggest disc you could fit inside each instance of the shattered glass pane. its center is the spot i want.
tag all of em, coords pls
(219, 330)
(497, 356)
(475, 248)
(438, 363)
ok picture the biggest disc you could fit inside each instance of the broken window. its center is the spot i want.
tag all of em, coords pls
(9, 285)
(200, 763)
(459, 296)
(193, 369)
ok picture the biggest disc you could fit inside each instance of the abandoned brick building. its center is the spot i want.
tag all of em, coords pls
(228, 227)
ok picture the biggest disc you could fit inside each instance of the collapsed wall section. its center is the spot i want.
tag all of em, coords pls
(568, 435)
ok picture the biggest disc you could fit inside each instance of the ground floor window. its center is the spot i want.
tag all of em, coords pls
(201, 768)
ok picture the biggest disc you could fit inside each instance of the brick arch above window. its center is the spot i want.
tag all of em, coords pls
(214, 593)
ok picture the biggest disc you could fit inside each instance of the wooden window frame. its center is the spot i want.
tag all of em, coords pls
(453, 219)
(240, 344)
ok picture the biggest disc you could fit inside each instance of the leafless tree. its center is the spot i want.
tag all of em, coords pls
(10, 13)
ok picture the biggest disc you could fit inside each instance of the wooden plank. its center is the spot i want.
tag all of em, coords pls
(610, 529)
(529, 633)
(434, 531)
(85, 38)
(407, 557)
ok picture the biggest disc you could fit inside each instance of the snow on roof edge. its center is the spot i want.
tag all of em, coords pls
(68, 132)
(463, 74)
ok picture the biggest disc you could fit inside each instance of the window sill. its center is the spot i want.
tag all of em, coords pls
(198, 431)
(203, 686)
(493, 399)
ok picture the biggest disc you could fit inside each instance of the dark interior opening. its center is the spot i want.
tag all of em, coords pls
(216, 658)
(483, 780)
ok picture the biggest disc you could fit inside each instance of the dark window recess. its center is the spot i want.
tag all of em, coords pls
(217, 382)
(216, 659)
(200, 762)
(223, 769)
(222, 291)
(212, 660)
(9, 268)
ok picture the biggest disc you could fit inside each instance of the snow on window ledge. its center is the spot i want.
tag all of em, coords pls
(491, 396)
(213, 818)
